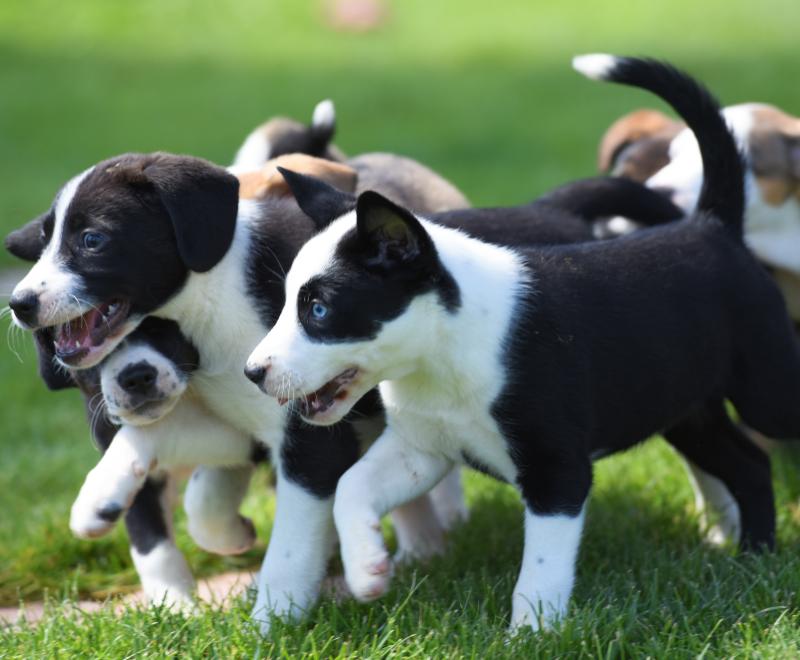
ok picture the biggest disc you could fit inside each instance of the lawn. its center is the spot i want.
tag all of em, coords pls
(484, 95)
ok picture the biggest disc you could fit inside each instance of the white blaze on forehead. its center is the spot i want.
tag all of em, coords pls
(63, 202)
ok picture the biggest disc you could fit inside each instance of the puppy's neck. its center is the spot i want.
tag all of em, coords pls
(461, 353)
(214, 309)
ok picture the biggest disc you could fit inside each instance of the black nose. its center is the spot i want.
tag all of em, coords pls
(255, 373)
(139, 378)
(26, 306)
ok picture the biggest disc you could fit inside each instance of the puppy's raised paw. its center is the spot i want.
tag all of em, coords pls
(371, 579)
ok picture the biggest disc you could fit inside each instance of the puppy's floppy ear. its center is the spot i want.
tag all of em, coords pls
(774, 154)
(394, 235)
(318, 200)
(202, 201)
(634, 126)
(28, 242)
(53, 375)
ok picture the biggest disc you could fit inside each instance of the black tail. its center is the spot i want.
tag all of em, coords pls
(601, 197)
(722, 194)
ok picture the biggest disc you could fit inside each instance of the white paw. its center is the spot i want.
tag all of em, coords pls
(539, 615)
(230, 537)
(370, 579)
(90, 519)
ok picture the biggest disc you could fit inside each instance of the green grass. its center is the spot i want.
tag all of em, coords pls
(485, 95)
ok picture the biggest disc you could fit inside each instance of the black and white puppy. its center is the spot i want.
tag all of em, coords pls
(528, 362)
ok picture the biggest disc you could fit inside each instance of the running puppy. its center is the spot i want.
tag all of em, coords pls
(528, 362)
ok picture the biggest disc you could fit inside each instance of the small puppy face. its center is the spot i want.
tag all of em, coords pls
(146, 375)
(120, 240)
(357, 295)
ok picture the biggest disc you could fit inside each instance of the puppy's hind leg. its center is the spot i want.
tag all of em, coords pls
(732, 474)
(448, 499)
(212, 500)
(165, 575)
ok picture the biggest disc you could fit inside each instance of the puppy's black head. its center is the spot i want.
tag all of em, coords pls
(120, 241)
(377, 269)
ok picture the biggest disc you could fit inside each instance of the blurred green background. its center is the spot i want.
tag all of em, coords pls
(483, 92)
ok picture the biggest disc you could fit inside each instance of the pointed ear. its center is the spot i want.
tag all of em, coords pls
(318, 200)
(28, 241)
(202, 201)
(53, 375)
(395, 234)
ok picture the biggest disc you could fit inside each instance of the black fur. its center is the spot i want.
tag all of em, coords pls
(563, 215)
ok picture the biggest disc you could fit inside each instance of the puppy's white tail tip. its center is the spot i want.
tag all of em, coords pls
(324, 114)
(597, 66)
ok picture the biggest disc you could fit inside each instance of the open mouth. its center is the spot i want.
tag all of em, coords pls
(76, 338)
(325, 397)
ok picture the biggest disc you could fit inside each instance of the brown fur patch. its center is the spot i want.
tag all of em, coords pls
(638, 126)
(774, 146)
(268, 181)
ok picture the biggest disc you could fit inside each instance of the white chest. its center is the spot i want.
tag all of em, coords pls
(462, 431)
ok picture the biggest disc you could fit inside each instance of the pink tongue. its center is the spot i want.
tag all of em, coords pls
(79, 330)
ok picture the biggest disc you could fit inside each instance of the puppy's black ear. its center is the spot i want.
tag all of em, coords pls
(53, 375)
(394, 235)
(319, 200)
(28, 241)
(202, 201)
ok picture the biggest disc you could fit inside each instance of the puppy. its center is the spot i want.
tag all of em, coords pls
(647, 146)
(280, 136)
(143, 381)
(528, 362)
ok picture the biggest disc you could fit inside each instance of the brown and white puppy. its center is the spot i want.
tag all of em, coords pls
(649, 147)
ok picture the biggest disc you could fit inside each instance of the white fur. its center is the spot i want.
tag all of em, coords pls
(254, 152)
(165, 575)
(48, 278)
(596, 66)
(297, 555)
(212, 500)
(711, 493)
(324, 114)
(542, 592)
(186, 437)
(169, 383)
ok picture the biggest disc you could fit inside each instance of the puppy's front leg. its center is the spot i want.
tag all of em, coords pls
(545, 581)
(389, 474)
(212, 499)
(297, 555)
(112, 484)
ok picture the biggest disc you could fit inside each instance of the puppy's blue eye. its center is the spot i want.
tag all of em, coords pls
(93, 240)
(318, 310)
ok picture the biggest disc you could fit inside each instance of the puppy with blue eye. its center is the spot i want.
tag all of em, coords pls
(527, 363)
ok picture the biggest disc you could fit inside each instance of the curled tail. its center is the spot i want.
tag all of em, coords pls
(722, 194)
(599, 197)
